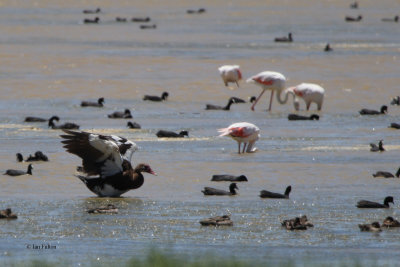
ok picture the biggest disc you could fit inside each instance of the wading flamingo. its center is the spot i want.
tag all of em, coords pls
(309, 92)
(269, 80)
(242, 132)
(230, 74)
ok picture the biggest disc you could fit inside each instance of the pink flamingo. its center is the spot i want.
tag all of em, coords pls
(242, 132)
(309, 92)
(230, 74)
(269, 80)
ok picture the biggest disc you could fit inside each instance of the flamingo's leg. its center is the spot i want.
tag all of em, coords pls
(244, 147)
(238, 147)
(258, 98)
(270, 100)
(319, 105)
(237, 84)
(251, 148)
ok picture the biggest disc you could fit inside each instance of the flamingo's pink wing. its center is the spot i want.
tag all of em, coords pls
(239, 74)
(298, 92)
(264, 81)
(240, 132)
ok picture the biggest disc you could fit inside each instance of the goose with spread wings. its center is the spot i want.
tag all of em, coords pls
(106, 162)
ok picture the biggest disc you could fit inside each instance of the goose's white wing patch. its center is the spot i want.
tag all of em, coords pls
(111, 167)
(126, 147)
(111, 155)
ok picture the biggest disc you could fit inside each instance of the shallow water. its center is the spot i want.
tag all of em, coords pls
(51, 61)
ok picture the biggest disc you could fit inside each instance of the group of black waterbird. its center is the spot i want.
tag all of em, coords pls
(144, 21)
(355, 5)
(297, 223)
(302, 223)
(96, 20)
(358, 18)
(72, 138)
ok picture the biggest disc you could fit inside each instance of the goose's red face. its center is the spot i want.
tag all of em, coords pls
(147, 168)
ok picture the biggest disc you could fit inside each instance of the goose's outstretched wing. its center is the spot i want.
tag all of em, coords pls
(100, 154)
(125, 146)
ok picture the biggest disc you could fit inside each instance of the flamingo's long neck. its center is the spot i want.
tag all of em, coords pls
(286, 92)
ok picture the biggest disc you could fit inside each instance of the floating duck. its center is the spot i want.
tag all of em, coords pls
(224, 220)
(7, 214)
(373, 227)
(297, 223)
(109, 209)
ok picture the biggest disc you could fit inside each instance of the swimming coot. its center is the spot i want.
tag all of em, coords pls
(268, 194)
(209, 191)
(374, 205)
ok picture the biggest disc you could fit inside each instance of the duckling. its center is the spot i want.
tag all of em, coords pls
(297, 223)
(373, 227)
(109, 209)
(7, 214)
(390, 222)
(217, 221)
